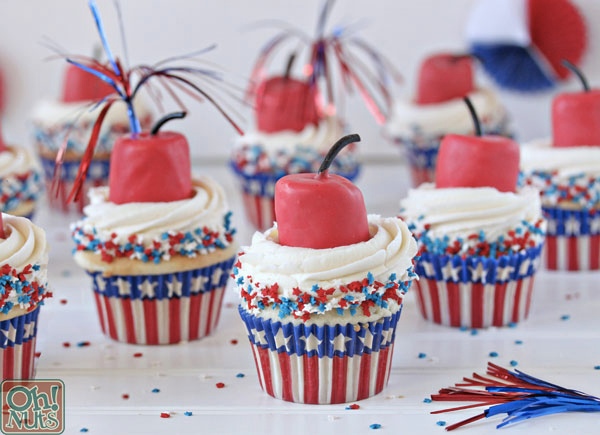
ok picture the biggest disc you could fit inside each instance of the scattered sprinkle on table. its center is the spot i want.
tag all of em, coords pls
(463, 328)
(83, 344)
(165, 414)
(240, 375)
(440, 423)
(233, 341)
(125, 396)
(422, 355)
(514, 363)
(220, 385)
(63, 302)
(155, 390)
(565, 317)
(596, 367)
(66, 344)
(493, 354)
(427, 400)
(38, 354)
(83, 429)
(474, 332)
(353, 406)
(138, 355)
(188, 413)
(518, 341)
(375, 426)
(512, 325)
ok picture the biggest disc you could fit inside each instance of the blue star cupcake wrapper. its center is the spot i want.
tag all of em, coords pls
(572, 239)
(476, 292)
(17, 345)
(161, 309)
(322, 364)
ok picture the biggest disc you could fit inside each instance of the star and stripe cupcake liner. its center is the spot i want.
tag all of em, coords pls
(161, 309)
(321, 364)
(17, 346)
(476, 292)
(58, 194)
(572, 239)
(258, 193)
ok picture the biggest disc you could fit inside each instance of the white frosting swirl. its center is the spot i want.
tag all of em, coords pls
(453, 213)
(151, 220)
(24, 245)
(17, 160)
(49, 113)
(320, 137)
(433, 120)
(390, 250)
(540, 155)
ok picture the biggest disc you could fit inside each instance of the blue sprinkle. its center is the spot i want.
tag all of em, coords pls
(83, 429)
(441, 423)
(565, 317)
(375, 426)
(512, 325)
(422, 355)
(518, 341)
(187, 413)
(240, 375)
(463, 328)
(155, 390)
(474, 332)
(493, 354)
(514, 363)
(596, 367)
(427, 400)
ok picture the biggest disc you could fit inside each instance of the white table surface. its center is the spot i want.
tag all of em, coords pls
(97, 376)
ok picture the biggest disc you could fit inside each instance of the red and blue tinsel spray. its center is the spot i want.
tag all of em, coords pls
(514, 393)
(361, 66)
(521, 43)
(127, 82)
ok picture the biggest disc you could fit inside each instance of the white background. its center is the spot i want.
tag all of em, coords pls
(403, 30)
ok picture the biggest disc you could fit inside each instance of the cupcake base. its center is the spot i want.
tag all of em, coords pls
(573, 239)
(17, 346)
(161, 309)
(322, 364)
(476, 292)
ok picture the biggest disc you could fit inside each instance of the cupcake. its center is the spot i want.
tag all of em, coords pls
(322, 290)
(566, 170)
(479, 238)
(295, 115)
(23, 288)
(69, 123)
(156, 242)
(21, 180)
(418, 125)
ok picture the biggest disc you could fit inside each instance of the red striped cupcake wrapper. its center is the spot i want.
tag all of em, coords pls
(322, 364)
(17, 346)
(476, 292)
(161, 309)
(572, 239)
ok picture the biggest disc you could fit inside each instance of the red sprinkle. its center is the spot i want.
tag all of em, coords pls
(220, 385)
(165, 415)
(125, 396)
(66, 344)
(354, 406)
(63, 301)
(138, 355)
(234, 341)
(38, 354)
